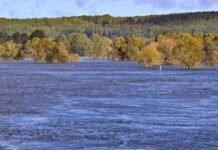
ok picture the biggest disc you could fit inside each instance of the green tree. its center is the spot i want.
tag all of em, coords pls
(19, 38)
(3, 37)
(101, 46)
(37, 34)
(63, 39)
(80, 43)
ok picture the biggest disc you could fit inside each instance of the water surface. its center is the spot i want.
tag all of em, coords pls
(99, 104)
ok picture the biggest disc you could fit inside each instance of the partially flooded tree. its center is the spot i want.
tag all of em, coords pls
(80, 43)
(149, 56)
(211, 52)
(188, 51)
(57, 53)
(166, 46)
(101, 46)
(125, 48)
(47, 50)
(119, 49)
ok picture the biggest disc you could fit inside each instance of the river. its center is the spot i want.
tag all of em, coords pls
(100, 104)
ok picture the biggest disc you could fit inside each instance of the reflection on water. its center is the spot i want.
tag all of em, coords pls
(100, 104)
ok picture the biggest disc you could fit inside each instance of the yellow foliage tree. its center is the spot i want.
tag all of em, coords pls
(125, 48)
(149, 56)
(9, 50)
(188, 51)
(47, 50)
(166, 46)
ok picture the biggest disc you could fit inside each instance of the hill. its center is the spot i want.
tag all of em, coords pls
(106, 25)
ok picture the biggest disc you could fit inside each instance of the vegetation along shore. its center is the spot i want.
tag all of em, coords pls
(188, 39)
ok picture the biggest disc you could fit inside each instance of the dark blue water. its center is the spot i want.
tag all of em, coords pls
(98, 104)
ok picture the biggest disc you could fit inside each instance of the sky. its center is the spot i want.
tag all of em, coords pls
(59, 8)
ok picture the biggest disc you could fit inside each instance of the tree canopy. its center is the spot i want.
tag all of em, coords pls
(190, 50)
(109, 26)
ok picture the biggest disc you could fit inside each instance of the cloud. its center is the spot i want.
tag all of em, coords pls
(207, 3)
(158, 3)
(80, 3)
(169, 4)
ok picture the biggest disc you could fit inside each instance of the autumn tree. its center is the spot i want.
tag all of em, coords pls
(188, 51)
(149, 56)
(29, 50)
(166, 46)
(57, 53)
(210, 52)
(9, 50)
(2, 50)
(63, 39)
(125, 48)
(46, 50)
(119, 50)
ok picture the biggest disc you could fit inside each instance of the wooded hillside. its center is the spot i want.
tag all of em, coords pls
(106, 25)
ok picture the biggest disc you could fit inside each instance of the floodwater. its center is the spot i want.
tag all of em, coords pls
(99, 104)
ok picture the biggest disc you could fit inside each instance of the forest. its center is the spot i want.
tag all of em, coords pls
(188, 39)
(109, 26)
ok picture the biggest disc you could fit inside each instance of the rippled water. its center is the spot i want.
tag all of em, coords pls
(98, 104)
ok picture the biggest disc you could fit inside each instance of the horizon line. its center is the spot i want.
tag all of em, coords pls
(163, 14)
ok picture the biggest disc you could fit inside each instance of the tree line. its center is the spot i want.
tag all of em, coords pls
(61, 49)
(109, 26)
(170, 48)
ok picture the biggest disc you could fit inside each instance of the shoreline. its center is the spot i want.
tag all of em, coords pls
(100, 60)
